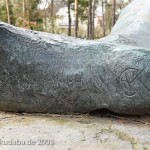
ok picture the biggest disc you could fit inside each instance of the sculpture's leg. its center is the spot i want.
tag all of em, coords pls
(41, 72)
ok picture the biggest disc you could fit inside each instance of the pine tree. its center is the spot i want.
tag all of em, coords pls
(76, 18)
(69, 19)
(114, 13)
(93, 18)
(90, 20)
(8, 11)
(52, 15)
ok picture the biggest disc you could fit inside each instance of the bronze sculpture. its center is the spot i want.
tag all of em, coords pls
(46, 73)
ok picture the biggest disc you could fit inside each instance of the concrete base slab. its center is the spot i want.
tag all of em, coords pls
(73, 132)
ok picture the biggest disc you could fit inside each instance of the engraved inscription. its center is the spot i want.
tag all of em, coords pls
(132, 84)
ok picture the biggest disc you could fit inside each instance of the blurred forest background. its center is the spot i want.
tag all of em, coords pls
(90, 19)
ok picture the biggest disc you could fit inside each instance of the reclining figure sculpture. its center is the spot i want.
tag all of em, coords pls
(47, 73)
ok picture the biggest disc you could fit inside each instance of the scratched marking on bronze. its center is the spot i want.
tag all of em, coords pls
(0, 84)
(129, 78)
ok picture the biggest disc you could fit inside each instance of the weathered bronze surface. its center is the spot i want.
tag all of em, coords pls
(47, 73)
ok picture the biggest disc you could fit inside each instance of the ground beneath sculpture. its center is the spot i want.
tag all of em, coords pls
(73, 132)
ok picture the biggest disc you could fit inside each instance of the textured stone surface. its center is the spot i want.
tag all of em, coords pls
(41, 72)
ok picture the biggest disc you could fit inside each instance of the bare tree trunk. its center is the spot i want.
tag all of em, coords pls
(88, 27)
(114, 13)
(28, 16)
(90, 20)
(45, 23)
(93, 17)
(23, 9)
(69, 19)
(8, 11)
(103, 15)
(52, 15)
(76, 18)
(45, 14)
